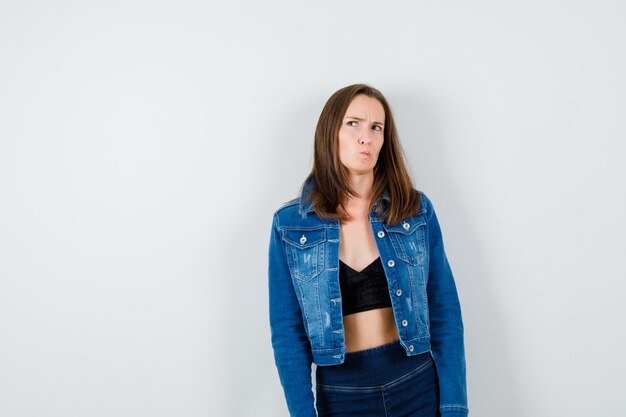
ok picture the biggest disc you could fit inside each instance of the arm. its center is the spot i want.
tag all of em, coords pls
(446, 324)
(292, 349)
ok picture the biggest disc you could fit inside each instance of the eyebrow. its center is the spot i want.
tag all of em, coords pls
(361, 119)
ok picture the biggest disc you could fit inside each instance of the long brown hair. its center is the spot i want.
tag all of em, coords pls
(331, 176)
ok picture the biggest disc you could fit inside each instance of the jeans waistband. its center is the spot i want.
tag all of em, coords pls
(376, 366)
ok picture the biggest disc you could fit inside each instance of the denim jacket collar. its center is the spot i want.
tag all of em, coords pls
(306, 206)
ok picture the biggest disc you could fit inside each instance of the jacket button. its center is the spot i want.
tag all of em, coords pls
(411, 348)
(399, 293)
(302, 240)
(404, 323)
(391, 262)
(381, 233)
(406, 226)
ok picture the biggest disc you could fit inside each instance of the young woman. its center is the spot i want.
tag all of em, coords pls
(359, 282)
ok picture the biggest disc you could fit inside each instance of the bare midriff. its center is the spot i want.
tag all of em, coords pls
(368, 329)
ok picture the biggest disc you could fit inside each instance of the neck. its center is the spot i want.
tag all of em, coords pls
(362, 185)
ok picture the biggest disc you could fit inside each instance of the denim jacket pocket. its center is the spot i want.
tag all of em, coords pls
(305, 251)
(408, 239)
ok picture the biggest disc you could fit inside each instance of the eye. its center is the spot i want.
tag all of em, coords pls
(378, 128)
(351, 121)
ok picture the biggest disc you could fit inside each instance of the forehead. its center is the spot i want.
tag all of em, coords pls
(366, 107)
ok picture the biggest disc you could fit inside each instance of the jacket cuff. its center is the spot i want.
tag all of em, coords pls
(454, 412)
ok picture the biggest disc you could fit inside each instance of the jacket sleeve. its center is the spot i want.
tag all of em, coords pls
(446, 324)
(292, 349)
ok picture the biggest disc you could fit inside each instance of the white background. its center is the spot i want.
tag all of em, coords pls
(145, 144)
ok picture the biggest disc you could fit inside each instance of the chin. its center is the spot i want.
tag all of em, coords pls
(361, 170)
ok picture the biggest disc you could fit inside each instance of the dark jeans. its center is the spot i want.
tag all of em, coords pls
(382, 381)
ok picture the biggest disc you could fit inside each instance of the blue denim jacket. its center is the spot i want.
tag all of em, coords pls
(305, 313)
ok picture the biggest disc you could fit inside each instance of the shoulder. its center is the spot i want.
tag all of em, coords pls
(425, 203)
(286, 211)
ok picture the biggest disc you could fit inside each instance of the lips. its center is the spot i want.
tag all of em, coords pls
(365, 153)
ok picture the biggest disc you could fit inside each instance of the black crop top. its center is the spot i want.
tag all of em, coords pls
(365, 290)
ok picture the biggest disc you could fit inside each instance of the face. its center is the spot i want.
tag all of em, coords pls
(361, 134)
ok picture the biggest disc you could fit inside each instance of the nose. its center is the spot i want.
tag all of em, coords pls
(365, 138)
